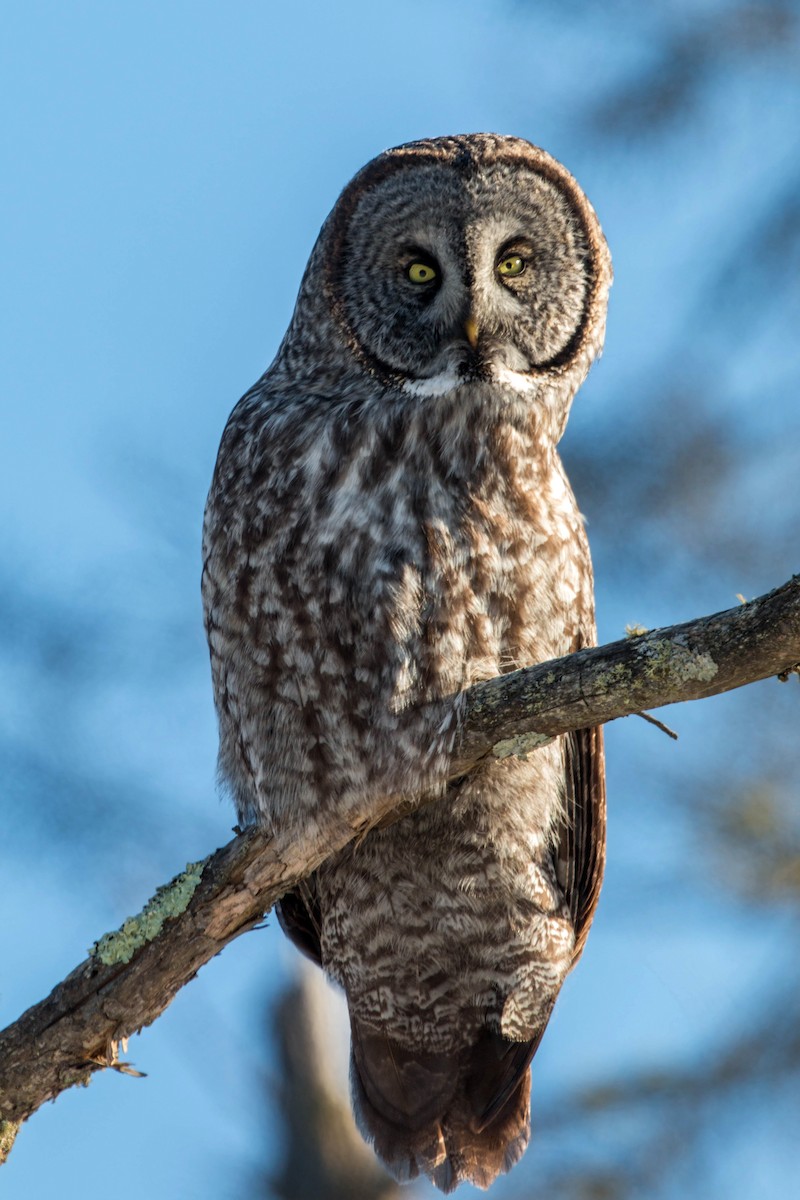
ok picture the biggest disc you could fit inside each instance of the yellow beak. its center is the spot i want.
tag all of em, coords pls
(471, 330)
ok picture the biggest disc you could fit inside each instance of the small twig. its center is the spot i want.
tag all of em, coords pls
(659, 724)
(123, 1068)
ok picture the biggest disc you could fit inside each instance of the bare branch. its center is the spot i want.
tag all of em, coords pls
(133, 975)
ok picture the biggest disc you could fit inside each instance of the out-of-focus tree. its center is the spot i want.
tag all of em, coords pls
(323, 1153)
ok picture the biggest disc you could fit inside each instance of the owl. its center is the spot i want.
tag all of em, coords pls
(388, 523)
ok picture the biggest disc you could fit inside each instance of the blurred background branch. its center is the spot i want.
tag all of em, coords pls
(323, 1153)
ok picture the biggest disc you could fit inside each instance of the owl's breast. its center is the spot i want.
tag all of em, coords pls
(503, 579)
(358, 570)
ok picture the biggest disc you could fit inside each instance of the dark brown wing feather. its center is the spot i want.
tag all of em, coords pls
(496, 1068)
(582, 852)
(299, 918)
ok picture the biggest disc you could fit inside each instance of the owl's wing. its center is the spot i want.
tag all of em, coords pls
(581, 851)
(299, 917)
(501, 1064)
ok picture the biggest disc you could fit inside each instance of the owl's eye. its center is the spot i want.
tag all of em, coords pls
(511, 265)
(421, 272)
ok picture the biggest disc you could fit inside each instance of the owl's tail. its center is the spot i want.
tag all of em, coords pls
(457, 1118)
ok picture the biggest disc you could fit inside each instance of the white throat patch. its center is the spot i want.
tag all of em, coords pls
(449, 380)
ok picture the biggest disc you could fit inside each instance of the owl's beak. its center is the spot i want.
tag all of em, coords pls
(471, 330)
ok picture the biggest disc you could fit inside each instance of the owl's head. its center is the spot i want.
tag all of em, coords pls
(465, 258)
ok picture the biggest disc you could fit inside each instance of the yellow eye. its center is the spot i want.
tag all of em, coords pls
(420, 272)
(511, 265)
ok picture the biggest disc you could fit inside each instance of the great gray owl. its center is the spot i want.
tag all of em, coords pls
(388, 523)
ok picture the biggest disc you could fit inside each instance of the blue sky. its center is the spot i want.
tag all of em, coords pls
(167, 168)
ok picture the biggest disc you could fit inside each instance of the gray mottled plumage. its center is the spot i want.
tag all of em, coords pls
(388, 523)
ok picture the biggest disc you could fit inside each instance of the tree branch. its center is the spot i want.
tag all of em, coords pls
(131, 976)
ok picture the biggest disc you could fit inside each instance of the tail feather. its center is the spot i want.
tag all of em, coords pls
(436, 1114)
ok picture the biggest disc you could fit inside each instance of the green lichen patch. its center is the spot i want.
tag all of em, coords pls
(612, 679)
(169, 901)
(664, 659)
(521, 745)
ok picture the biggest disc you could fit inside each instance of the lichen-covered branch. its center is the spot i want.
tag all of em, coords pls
(132, 976)
(684, 662)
